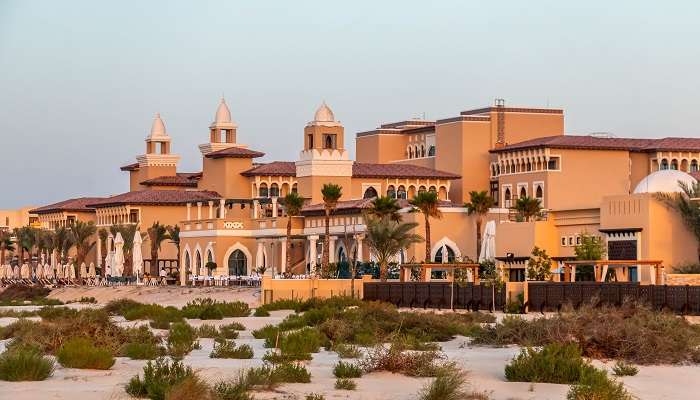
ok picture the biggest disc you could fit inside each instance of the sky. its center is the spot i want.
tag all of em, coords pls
(80, 81)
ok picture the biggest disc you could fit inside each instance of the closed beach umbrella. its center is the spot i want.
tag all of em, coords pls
(91, 271)
(118, 267)
(25, 272)
(83, 271)
(137, 255)
(15, 272)
(39, 272)
(4, 271)
(488, 242)
(48, 271)
(71, 271)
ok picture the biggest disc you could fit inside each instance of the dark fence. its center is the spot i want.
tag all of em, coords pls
(434, 295)
(551, 296)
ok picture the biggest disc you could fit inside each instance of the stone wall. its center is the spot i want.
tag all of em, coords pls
(683, 279)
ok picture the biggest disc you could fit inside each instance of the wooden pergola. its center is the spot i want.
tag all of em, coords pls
(404, 273)
(599, 266)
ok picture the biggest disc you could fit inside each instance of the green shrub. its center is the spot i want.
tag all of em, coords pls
(120, 306)
(261, 312)
(159, 377)
(303, 341)
(207, 331)
(448, 385)
(24, 363)
(51, 313)
(595, 384)
(347, 370)
(211, 309)
(84, 299)
(622, 368)
(345, 384)
(182, 339)
(236, 389)
(227, 349)
(274, 357)
(554, 363)
(410, 363)
(192, 387)
(346, 350)
(81, 353)
(410, 342)
(291, 373)
(267, 332)
(142, 351)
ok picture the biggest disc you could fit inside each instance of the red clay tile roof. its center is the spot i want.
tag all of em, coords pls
(235, 152)
(486, 110)
(350, 206)
(184, 179)
(77, 204)
(368, 170)
(157, 197)
(130, 167)
(275, 168)
(602, 143)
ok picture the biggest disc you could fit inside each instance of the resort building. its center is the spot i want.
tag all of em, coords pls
(232, 216)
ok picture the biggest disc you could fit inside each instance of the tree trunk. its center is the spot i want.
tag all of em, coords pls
(427, 247)
(478, 238)
(383, 270)
(154, 262)
(288, 244)
(326, 242)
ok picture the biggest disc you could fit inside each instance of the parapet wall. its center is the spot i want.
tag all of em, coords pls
(683, 279)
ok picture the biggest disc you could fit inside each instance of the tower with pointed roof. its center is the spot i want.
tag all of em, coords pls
(222, 132)
(158, 159)
(324, 158)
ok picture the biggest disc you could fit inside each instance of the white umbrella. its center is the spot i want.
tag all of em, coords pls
(83, 270)
(137, 256)
(118, 267)
(71, 271)
(488, 242)
(25, 272)
(48, 271)
(3, 271)
(15, 272)
(39, 272)
(91, 271)
(53, 258)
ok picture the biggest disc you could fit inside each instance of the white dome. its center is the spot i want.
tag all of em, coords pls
(665, 181)
(324, 114)
(223, 114)
(157, 128)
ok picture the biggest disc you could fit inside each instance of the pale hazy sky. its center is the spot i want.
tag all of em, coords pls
(80, 81)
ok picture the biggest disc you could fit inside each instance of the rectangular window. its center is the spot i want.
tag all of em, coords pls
(553, 163)
(571, 240)
(494, 192)
(563, 241)
(134, 216)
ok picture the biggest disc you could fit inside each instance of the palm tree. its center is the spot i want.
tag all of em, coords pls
(26, 239)
(81, 233)
(386, 238)
(157, 233)
(385, 206)
(102, 233)
(528, 207)
(331, 194)
(427, 203)
(688, 208)
(174, 236)
(293, 204)
(128, 232)
(479, 205)
(5, 245)
(62, 242)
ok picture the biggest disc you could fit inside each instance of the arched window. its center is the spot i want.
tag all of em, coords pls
(188, 262)
(410, 152)
(674, 164)
(274, 190)
(294, 188)
(664, 164)
(538, 192)
(198, 264)
(401, 192)
(450, 254)
(210, 257)
(523, 192)
(421, 189)
(694, 166)
(329, 142)
(433, 189)
(507, 198)
(422, 150)
(529, 166)
(262, 192)
(370, 193)
(341, 255)
(391, 192)
(431, 151)
(237, 264)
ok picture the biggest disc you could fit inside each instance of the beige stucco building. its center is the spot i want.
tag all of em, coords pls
(231, 212)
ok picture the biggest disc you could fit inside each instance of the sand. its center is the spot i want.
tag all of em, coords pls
(484, 364)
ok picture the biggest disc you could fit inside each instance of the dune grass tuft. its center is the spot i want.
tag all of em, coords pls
(81, 353)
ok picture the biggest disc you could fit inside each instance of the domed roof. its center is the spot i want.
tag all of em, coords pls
(222, 118)
(665, 181)
(158, 128)
(324, 116)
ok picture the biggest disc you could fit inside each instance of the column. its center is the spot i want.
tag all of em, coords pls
(331, 249)
(259, 255)
(199, 210)
(283, 255)
(358, 239)
(255, 209)
(222, 208)
(211, 209)
(189, 211)
(274, 207)
(312, 253)
(99, 251)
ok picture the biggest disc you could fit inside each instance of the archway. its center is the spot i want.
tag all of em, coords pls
(237, 263)
(198, 263)
(370, 193)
